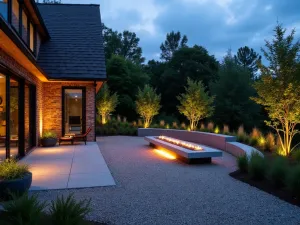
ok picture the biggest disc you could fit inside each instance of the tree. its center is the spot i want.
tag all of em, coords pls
(147, 104)
(125, 78)
(278, 89)
(106, 102)
(193, 62)
(125, 44)
(172, 43)
(195, 103)
(248, 58)
(233, 90)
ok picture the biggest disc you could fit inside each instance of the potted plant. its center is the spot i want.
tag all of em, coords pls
(48, 139)
(15, 178)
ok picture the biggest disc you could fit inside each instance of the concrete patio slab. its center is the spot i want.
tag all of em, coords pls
(68, 166)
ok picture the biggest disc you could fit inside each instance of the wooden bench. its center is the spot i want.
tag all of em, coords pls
(184, 154)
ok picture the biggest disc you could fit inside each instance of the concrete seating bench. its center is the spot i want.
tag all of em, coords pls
(183, 153)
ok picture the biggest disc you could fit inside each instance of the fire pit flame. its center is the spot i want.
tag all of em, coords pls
(181, 143)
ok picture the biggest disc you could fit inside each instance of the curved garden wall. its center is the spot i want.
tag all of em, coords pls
(219, 141)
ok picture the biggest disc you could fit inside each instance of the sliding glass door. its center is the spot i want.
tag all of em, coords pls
(17, 117)
(73, 111)
(2, 117)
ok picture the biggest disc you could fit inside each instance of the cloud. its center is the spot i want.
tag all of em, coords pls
(214, 24)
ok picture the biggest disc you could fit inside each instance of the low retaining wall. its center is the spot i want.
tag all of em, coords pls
(219, 141)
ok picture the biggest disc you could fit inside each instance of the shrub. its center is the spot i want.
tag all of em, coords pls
(293, 181)
(296, 155)
(68, 211)
(257, 166)
(244, 138)
(242, 162)
(10, 170)
(226, 129)
(278, 171)
(270, 142)
(253, 141)
(24, 210)
(48, 134)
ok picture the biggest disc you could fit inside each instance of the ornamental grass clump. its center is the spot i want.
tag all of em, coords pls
(278, 171)
(210, 126)
(11, 170)
(257, 166)
(270, 142)
(226, 129)
(293, 181)
(23, 210)
(67, 211)
(242, 162)
(48, 134)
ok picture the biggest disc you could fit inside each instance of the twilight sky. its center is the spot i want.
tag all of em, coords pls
(215, 24)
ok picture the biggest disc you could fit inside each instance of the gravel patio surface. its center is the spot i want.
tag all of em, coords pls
(153, 190)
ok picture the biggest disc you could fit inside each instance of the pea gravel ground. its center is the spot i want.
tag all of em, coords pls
(152, 190)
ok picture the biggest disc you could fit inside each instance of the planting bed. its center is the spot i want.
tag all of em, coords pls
(46, 220)
(267, 186)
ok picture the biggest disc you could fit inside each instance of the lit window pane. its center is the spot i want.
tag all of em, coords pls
(3, 9)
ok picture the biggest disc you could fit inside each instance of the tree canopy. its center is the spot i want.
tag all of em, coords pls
(278, 89)
(125, 44)
(172, 43)
(233, 90)
(249, 59)
(195, 103)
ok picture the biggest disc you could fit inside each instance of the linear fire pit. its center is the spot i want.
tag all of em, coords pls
(184, 151)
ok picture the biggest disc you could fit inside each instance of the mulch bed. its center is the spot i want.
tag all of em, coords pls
(266, 186)
(46, 220)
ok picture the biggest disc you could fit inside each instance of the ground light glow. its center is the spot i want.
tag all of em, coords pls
(181, 143)
(165, 154)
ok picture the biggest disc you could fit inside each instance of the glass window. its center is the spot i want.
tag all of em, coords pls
(2, 117)
(31, 37)
(3, 9)
(24, 27)
(73, 111)
(14, 118)
(15, 14)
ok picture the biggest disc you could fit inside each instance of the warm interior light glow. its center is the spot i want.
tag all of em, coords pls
(165, 154)
(181, 143)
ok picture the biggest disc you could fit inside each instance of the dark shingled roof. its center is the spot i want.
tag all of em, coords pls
(75, 50)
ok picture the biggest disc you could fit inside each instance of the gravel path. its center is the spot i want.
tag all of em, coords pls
(152, 190)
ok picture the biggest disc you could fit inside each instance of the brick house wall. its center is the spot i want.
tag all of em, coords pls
(52, 111)
(49, 99)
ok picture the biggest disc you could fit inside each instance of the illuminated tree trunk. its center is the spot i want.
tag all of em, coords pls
(103, 117)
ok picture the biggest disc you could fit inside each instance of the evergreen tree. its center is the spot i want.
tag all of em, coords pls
(249, 59)
(172, 43)
(233, 90)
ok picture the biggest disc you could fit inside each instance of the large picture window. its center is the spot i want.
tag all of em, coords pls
(15, 17)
